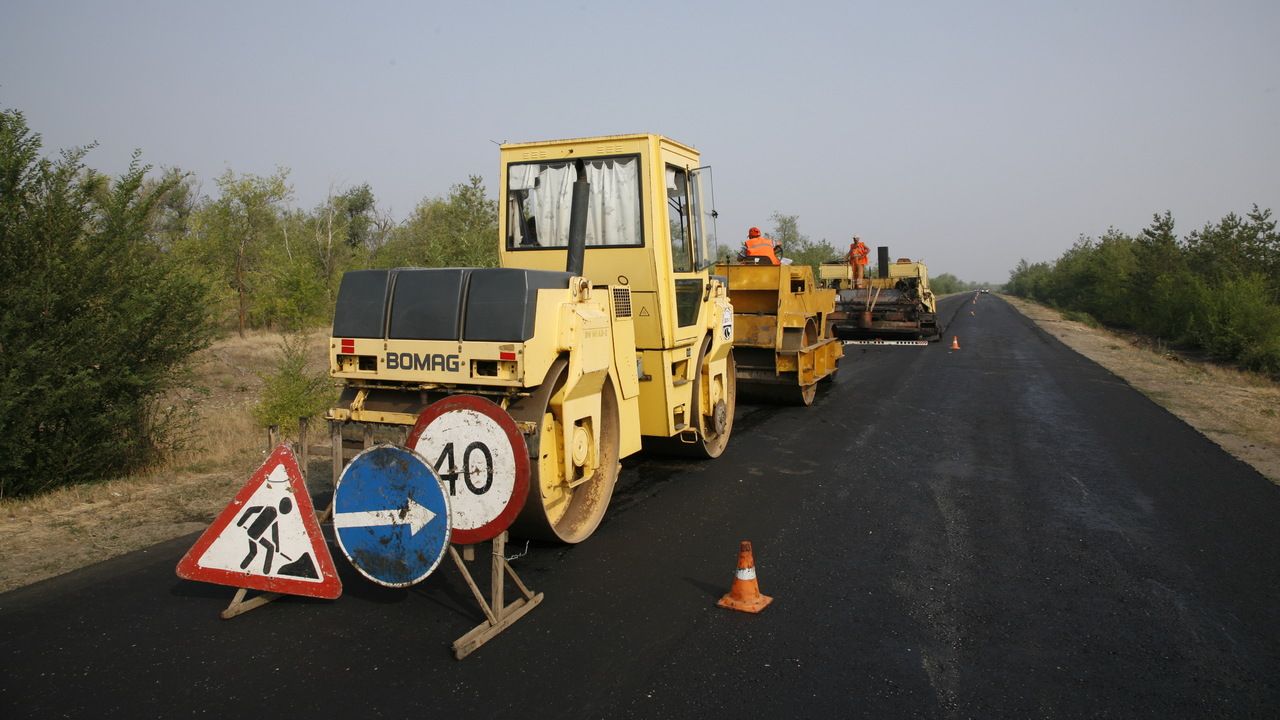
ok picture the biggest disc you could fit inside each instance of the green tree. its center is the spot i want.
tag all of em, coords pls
(945, 284)
(1262, 248)
(235, 231)
(1029, 280)
(346, 232)
(1158, 287)
(291, 283)
(359, 210)
(796, 245)
(96, 321)
(170, 222)
(459, 230)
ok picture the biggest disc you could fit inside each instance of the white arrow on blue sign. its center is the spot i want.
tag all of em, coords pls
(391, 516)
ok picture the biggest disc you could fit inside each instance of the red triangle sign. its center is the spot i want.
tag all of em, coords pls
(268, 538)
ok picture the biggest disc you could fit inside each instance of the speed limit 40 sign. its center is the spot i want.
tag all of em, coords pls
(478, 452)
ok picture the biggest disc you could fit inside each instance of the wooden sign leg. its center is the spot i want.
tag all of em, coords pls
(337, 453)
(239, 605)
(498, 615)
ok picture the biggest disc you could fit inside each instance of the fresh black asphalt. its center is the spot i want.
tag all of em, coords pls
(1007, 530)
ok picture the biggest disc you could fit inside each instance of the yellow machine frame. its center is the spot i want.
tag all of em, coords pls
(638, 345)
(669, 354)
(780, 321)
(840, 277)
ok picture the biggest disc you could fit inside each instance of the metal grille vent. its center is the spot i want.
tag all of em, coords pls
(622, 302)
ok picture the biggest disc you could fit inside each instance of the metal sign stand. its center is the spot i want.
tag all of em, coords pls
(498, 615)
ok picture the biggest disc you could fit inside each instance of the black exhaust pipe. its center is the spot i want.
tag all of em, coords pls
(882, 261)
(578, 222)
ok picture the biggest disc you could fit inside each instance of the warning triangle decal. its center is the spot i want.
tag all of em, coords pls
(268, 538)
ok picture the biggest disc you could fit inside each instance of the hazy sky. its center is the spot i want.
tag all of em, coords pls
(971, 134)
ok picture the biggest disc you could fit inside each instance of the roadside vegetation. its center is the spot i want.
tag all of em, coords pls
(114, 285)
(947, 284)
(97, 322)
(1216, 289)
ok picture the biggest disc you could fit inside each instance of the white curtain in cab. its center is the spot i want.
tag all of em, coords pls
(613, 216)
(613, 207)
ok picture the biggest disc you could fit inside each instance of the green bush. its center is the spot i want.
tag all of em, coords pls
(1081, 317)
(1217, 289)
(96, 321)
(293, 390)
(1239, 324)
(1264, 355)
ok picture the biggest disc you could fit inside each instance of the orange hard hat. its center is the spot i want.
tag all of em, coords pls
(753, 232)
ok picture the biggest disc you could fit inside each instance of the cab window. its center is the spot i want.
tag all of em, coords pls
(540, 197)
(703, 214)
(678, 219)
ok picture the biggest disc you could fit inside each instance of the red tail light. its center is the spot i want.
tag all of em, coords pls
(348, 346)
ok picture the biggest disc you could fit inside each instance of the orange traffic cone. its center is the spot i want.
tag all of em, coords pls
(955, 342)
(745, 594)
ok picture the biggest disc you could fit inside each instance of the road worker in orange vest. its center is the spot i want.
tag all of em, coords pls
(759, 246)
(858, 260)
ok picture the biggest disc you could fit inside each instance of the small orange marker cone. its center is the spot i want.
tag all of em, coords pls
(745, 594)
(955, 342)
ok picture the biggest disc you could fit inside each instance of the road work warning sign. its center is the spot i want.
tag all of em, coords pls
(268, 538)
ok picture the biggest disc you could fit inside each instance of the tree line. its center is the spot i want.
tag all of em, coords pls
(277, 266)
(1216, 288)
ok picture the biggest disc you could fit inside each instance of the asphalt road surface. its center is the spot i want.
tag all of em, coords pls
(1004, 531)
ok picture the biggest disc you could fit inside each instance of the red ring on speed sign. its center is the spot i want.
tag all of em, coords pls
(481, 457)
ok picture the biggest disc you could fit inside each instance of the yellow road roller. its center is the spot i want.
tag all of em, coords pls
(603, 329)
(781, 344)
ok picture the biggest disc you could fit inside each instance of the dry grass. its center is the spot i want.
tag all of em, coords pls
(76, 526)
(1238, 410)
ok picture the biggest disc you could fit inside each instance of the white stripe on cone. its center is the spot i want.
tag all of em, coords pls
(746, 573)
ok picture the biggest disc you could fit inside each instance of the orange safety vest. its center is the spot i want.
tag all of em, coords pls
(858, 253)
(761, 247)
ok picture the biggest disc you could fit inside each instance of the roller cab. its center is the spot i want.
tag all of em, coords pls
(649, 231)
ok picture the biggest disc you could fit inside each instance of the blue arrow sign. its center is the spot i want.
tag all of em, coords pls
(391, 516)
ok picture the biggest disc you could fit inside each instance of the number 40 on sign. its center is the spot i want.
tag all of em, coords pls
(481, 457)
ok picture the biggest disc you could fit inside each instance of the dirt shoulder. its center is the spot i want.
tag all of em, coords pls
(1239, 411)
(74, 527)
